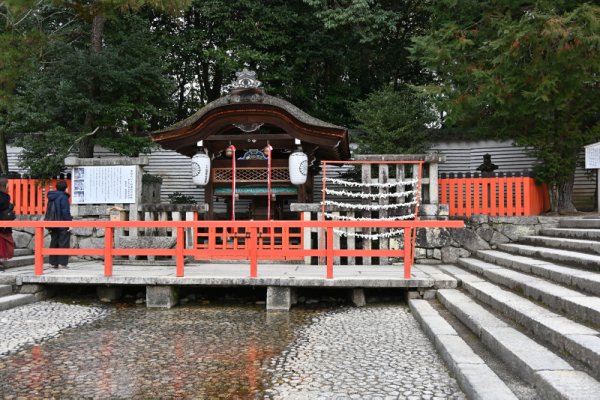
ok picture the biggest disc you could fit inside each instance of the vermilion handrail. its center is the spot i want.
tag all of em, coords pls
(510, 196)
(252, 250)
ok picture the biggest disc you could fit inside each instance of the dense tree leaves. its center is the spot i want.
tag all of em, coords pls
(393, 121)
(525, 70)
(132, 92)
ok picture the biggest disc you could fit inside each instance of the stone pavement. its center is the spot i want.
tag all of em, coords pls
(376, 352)
(238, 274)
(213, 352)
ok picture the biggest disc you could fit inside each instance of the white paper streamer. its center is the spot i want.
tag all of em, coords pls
(374, 196)
(374, 236)
(347, 218)
(369, 207)
(378, 185)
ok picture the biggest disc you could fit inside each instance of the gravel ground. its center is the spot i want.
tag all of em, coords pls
(210, 352)
(33, 323)
(367, 353)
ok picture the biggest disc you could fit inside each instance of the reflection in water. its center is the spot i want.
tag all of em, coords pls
(185, 352)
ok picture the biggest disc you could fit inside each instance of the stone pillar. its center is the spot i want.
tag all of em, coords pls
(161, 296)
(279, 298)
(358, 297)
(106, 294)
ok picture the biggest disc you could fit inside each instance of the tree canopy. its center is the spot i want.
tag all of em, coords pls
(523, 70)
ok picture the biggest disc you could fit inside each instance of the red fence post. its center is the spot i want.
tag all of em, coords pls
(253, 247)
(38, 255)
(329, 252)
(179, 252)
(108, 247)
(407, 252)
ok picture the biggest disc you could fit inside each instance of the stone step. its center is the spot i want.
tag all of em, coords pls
(475, 378)
(557, 297)
(532, 361)
(15, 300)
(581, 223)
(587, 234)
(580, 341)
(18, 261)
(580, 279)
(23, 252)
(582, 245)
(577, 259)
(5, 290)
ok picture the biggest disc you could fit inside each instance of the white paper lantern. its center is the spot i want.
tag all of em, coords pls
(298, 167)
(200, 169)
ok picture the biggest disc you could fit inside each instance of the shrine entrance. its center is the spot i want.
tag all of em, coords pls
(254, 155)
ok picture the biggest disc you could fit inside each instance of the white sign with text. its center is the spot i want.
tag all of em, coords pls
(104, 185)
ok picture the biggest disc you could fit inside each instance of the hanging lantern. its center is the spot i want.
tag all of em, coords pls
(298, 167)
(200, 169)
(229, 152)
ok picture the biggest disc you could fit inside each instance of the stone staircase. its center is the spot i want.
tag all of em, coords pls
(23, 257)
(27, 293)
(534, 306)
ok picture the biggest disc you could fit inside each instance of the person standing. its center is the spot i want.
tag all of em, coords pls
(7, 244)
(60, 238)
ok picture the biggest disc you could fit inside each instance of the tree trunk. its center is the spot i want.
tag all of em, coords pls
(565, 196)
(3, 153)
(86, 145)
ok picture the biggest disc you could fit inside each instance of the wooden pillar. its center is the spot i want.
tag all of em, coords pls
(384, 243)
(366, 178)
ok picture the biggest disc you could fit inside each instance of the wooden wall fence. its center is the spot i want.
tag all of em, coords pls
(498, 195)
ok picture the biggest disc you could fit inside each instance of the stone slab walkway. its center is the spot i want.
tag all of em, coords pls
(299, 275)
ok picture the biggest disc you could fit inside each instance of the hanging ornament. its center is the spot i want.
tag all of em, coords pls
(229, 152)
(200, 169)
(298, 167)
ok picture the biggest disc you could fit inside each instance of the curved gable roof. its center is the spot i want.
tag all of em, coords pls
(253, 106)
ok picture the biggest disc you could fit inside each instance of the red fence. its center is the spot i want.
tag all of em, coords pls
(510, 196)
(253, 251)
(29, 195)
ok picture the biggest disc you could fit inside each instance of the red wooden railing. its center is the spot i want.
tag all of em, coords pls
(508, 196)
(29, 195)
(253, 251)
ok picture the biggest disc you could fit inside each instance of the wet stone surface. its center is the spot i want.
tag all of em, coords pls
(375, 352)
(230, 352)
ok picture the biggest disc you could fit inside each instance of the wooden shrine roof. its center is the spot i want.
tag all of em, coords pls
(280, 123)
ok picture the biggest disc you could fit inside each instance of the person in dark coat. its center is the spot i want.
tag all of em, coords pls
(7, 244)
(60, 238)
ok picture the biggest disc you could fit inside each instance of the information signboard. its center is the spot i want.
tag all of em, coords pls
(592, 156)
(104, 185)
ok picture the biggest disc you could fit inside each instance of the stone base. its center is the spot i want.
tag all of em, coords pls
(279, 298)
(106, 294)
(358, 297)
(161, 296)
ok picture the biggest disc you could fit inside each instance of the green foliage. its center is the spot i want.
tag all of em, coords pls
(132, 94)
(44, 153)
(527, 71)
(180, 198)
(150, 178)
(393, 121)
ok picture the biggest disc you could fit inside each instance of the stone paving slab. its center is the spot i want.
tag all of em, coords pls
(585, 280)
(214, 274)
(586, 246)
(524, 355)
(563, 256)
(5, 290)
(581, 223)
(554, 296)
(590, 234)
(467, 311)
(474, 376)
(15, 300)
(559, 385)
